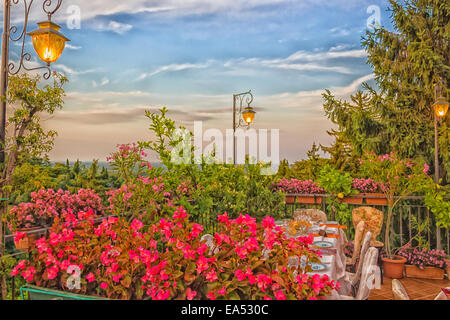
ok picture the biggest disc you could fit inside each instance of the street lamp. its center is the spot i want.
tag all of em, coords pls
(245, 116)
(48, 42)
(440, 107)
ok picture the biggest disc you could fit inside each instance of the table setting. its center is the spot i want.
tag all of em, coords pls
(329, 240)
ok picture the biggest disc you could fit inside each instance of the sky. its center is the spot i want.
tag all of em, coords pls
(190, 56)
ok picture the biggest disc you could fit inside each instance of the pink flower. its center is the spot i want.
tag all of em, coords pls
(426, 168)
(104, 285)
(90, 278)
(190, 294)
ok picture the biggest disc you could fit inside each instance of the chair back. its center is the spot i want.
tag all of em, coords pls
(358, 240)
(370, 274)
(364, 247)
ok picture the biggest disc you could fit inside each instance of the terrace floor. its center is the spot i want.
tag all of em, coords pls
(417, 289)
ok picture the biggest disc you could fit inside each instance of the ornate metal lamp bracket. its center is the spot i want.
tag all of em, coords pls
(240, 99)
(49, 7)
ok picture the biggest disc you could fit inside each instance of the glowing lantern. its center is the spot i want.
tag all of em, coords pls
(248, 115)
(440, 107)
(48, 42)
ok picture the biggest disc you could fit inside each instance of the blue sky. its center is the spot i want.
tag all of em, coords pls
(191, 56)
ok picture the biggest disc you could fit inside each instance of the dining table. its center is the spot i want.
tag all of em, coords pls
(331, 250)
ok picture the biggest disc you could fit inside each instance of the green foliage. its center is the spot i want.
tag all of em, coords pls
(216, 188)
(7, 263)
(309, 168)
(437, 200)
(339, 185)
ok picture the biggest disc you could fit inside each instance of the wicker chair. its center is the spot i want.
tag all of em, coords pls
(314, 214)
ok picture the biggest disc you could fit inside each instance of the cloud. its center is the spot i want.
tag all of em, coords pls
(174, 67)
(113, 26)
(304, 61)
(70, 71)
(71, 47)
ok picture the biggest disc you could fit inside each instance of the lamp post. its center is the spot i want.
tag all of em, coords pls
(440, 107)
(49, 44)
(245, 116)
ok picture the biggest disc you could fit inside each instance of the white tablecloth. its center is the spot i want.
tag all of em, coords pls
(335, 263)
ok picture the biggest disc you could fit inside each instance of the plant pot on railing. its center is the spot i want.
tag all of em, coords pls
(290, 199)
(412, 271)
(28, 240)
(352, 200)
(378, 200)
(393, 266)
(39, 293)
(309, 200)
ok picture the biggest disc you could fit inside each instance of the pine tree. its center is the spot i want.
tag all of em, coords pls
(398, 115)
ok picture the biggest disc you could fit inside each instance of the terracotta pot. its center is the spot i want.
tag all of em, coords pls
(290, 199)
(27, 242)
(352, 200)
(309, 200)
(376, 201)
(425, 273)
(393, 268)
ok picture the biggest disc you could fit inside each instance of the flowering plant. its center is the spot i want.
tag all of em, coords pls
(298, 186)
(368, 186)
(423, 257)
(402, 176)
(129, 161)
(145, 199)
(123, 260)
(46, 205)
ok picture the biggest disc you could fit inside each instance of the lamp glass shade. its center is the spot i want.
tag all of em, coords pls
(441, 107)
(48, 42)
(248, 115)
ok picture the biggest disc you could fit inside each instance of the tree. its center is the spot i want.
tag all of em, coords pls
(25, 137)
(343, 157)
(398, 116)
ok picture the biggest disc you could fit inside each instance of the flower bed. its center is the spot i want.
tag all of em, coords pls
(46, 205)
(123, 260)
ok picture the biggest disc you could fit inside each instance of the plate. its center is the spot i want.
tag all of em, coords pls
(323, 244)
(318, 266)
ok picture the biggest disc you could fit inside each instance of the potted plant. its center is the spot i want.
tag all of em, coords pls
(297, 190)
(401, 178)
(423, 263)
(370, 188)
